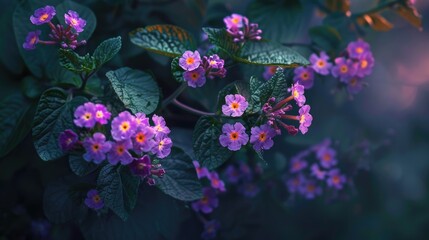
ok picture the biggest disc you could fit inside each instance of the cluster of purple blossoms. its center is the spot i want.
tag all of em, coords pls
(198, 69)
(245, 177)
(65, 36)
(241, 30)
(276, 112)
(93, 200)
(134, 140)
(309, 180)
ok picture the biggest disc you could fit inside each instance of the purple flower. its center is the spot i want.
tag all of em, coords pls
(43, 15)
(246, 172)
(249, 31)
(85, 115)
(327, 157)
(294, 184)
(195, 78)
(344, 69)
(93, 200)
(269, 72)
(160, 126)
(73, 20)
(210, 229)
(124, 126)
(208, 202)
(249, 189)
(190, 60)
(142, 120)
(355, 85)
(234, 21)
(233, 136)
(358, 48)
(96, 148)
(310, 190)
(321, 64)
(317, 172)
(101, 114)
(297, 91)
(201, 171)
(365, 65)
(119, 152)
(261, 137)
(305, 118)
(235, 105)
(141, 167)
(215, 61)
(297, 164)
(216, 182)
(162, 147)
(142, 140)
(214, 66)
(31, 40)
(68, 140)
(336, 179)
(304, 76)
(233, 174)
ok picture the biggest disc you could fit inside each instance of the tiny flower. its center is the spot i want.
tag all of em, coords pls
(160, 126)
(142, 120)
(43, 15)
(336, 179)
(233, 136)
(344, 69)
(269, 72)
(215, 61)
(119, 152)
(317, 172)
(232, 174)
(67, 140)
(321, 64)
(304, 76)
(235, 105)
(195, 78)
(327, 157)
(123, 126)
(249, 189)
(85, 115)
(101, 114)
(305, 118)
(73, 20)
(310, 190)
(355, 85)
(96, 148)
(31, 40)
(141, 167)
(297, 91)
(358, 48)
(365, 65)
(214, 66)
(201, 171)
(233, 21)
(261, 137)
(210, 229)
(216, 182)
(93, 200)
(297, 164)
(294, 184)
(142, 140)
(190, 60)
(208, 202)
(249, 31)
(162, 146)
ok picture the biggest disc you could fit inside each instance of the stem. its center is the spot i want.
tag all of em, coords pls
(47, 42)
(379, 8)
(174, 95)
(191, 109)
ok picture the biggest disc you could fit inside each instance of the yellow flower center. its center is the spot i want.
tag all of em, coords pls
(235, 20)
(320, 63)
(235, 105)
(304, 76)
(120, 150)
(87, 116)
(359, 50)
(194, 76)
(99, 114)
(336, 179)
(96, 198)
(353, 81)
(205, 200)
(33, 40)
(95, 147)
(233, 136)
(311, 188)
(140, 138)
(344, 69)
(44, 17)
(190, 60)
(73, 21)
(161, 144)
(302, 119)
(364, 63)
(262, 137)
(327, 157)
(295, 94)
(125, 126)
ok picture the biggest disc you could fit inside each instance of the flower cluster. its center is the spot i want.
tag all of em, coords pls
(309, 180)
(65, 36)
(240, 29)
(134, 140)
(198, 69)
(244, 177)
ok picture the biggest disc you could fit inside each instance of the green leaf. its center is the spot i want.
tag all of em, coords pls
(31, 87)
(54, 114)
(107, 50)
(220, 38)
(176, 70)
(206, 144)
(325, 37)
(79, 166)
(180, 180)
(75, 63)
(136, 89)
(15, 114)
(168, 40)
(118, 189)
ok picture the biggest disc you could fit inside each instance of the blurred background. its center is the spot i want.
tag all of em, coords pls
(390, 199)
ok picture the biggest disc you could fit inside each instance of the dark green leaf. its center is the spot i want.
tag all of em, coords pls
(31, 87)
(176, 70)
(54, 114)
(168, 40)
(107, 50)
(79, 166)
(75, 63)
(136, 89)
(206, 144)
(180, 180)
(325, 37)
(220, 38)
